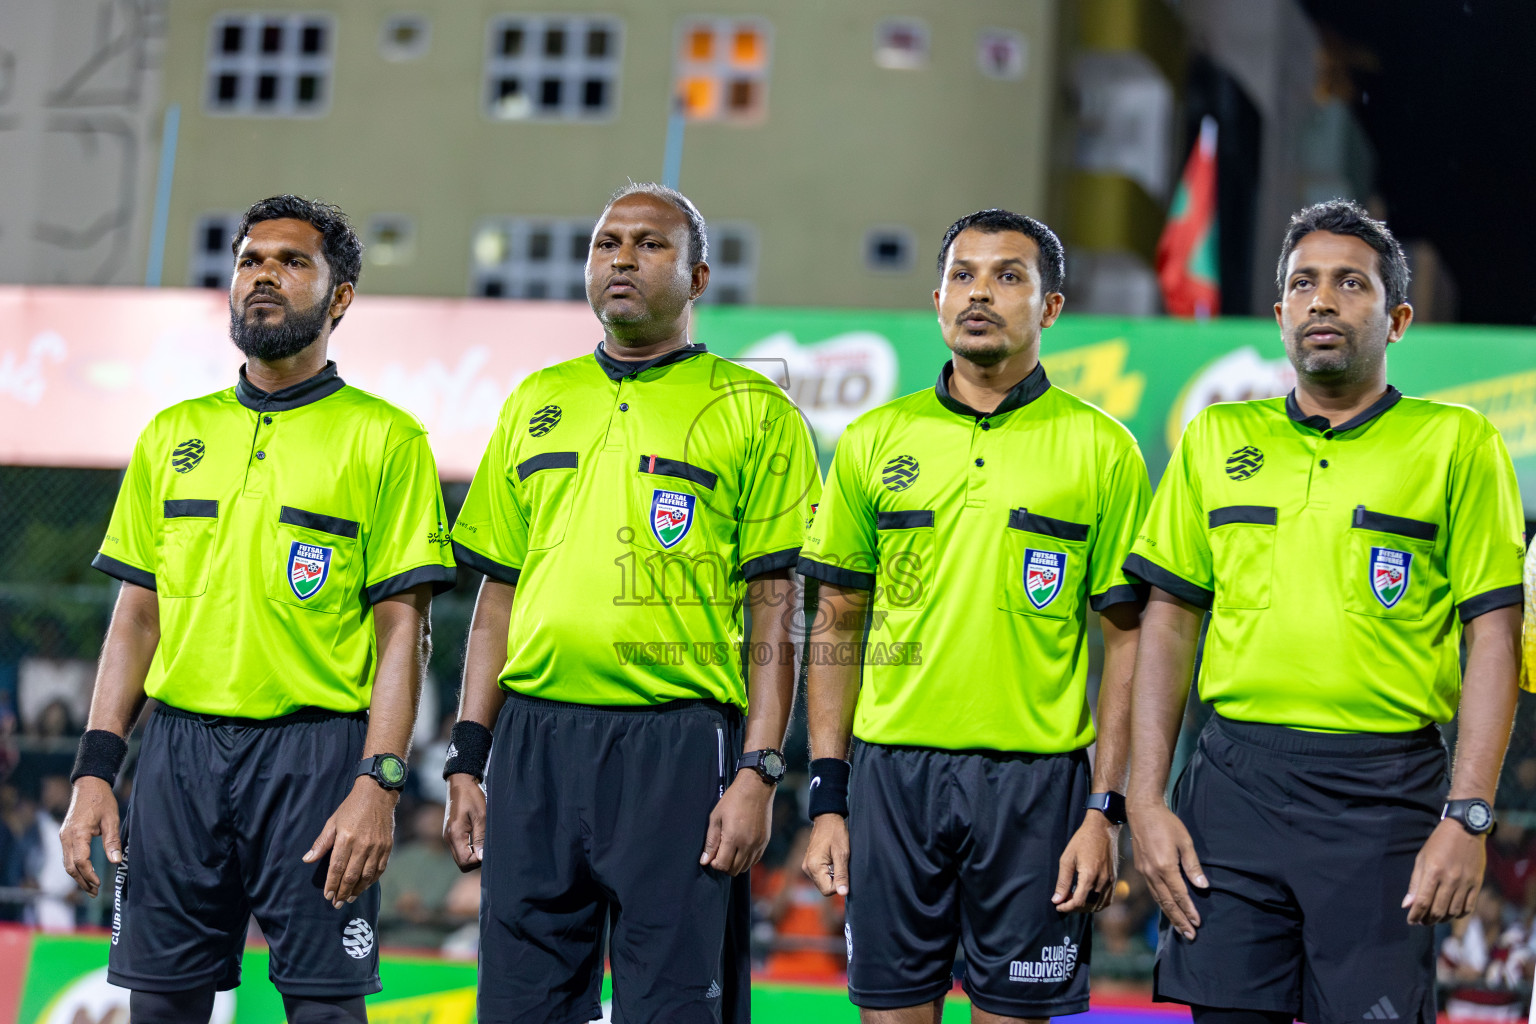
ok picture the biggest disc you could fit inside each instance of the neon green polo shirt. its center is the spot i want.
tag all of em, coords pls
(985, 538)
(1338, 563)
(269, 524)
(630, 503)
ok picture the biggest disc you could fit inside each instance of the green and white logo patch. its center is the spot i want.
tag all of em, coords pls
(309, 566)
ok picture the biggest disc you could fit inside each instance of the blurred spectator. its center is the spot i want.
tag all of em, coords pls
(807, 926)
(429, 758)
(54, 908)
(12, 854)
(1483, 963)
(1125, 933)
(783, 828)
(49, 673)
(414, 891)
(1517, 787)
(49, 744)
(1512, 866)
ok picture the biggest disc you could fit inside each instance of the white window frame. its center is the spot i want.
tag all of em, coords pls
(288, 66)
(532, 67)
(560, 277)
(720, 68)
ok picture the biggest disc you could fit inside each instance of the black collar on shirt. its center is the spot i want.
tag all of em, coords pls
(1377, 407)
(1021, 394)
(618, 369)
(321, 385)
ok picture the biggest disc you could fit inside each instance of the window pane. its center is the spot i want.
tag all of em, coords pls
(699, 97)
(272, 38)
(539, 246)
(508, 87)
(701, 44)
(743, 96)
(747, 48)
(576, 292)
(266, 89)
(579, 244)
(594, 94)
(512, 42)
(213, 237)
(309, 89)
(597, 42)
(492, 289)
(229, 89)
(731, 250)
(549, 92)
(233, 37)
(554, 42)
(536, 290)
(728, 295)
(212, 281)
(314, 39)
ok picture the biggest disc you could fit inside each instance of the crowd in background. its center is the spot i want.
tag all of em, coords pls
(1485, 965)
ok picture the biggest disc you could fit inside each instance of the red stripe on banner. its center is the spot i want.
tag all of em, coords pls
(15, 956)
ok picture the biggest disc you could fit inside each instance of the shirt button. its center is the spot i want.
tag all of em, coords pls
(981, 462)
(1324, 463)
(623, 407)
(985, 425)
(267, 420)
(1328, 435)
(261, 455)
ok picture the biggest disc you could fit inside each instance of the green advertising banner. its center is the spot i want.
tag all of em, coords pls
(1153, 375)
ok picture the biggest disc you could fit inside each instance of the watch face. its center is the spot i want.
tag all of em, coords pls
(1478, 815)
(391, 770)
(773, 764)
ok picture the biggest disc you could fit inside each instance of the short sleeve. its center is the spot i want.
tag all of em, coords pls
(491, 534)
(408, 538)
(781, 483)
(1487, 530)
(1172, 551)
(1123, 500)
(840, 545)
(128, 549)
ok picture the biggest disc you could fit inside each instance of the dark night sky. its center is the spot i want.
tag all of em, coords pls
(1451, 110)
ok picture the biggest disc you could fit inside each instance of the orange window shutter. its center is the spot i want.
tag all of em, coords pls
(701, 44)
(747, 48)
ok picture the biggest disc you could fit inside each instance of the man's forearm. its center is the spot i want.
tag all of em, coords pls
(1165, 656)
(1487, 710)
(771, 685)
(831, 688)
(481, 697)
(126, 655)
(402, 625)
(1121, 625)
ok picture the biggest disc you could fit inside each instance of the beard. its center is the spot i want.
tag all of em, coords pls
(1344, 363)
(270, 342)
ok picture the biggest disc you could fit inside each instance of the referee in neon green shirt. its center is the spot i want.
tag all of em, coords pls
(1343, 540)
(278, 543)
(965, 534)
(630, 505)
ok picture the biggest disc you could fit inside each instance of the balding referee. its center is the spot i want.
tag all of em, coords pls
(278, 542)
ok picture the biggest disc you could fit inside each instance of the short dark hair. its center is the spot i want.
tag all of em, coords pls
(698, 231)
(1053, 260)
(343, 251)
(1347, 217)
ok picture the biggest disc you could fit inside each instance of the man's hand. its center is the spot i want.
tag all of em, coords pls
(1092, 858)
(359, 838)
(464, 821)
(92, 812)
(826, 856)
(739, 825)
(1165, 855)
(1446, 875)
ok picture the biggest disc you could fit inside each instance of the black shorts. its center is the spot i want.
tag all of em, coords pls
(964, 847)
(598, 816)
(220, 817)
(1308, 841)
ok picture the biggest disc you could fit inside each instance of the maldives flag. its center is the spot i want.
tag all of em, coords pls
(1187, 268)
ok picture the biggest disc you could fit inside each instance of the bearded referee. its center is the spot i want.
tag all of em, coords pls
(965, 534)
(629, 505)
(278, 543)
(1344, 541)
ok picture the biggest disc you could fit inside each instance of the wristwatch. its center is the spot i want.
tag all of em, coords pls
(1474, 815)
(1110, 804)
(387, 770)
(767, 763)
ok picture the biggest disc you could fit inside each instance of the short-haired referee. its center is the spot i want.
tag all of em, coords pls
(1344, 539)
(278, 542)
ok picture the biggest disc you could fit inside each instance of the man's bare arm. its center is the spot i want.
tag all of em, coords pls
(831, 695)
(132, 637)
(480, 701)
(361, 833)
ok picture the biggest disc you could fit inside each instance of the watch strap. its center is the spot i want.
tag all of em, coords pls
(1110, 804)
(758, 761)
(1474, 815)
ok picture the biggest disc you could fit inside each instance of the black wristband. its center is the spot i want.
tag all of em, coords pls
(100, 755)
(469, 747)
(829, 787)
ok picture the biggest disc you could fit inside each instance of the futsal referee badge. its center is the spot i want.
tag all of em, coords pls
(1389, 575)
(1043, 571)
(308, 568)
(671, 516)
